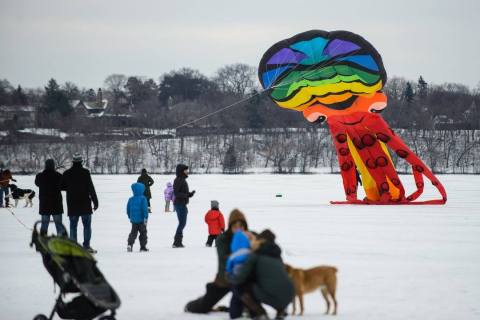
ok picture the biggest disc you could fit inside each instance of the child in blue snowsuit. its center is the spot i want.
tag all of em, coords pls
(240, 251)
(137, 212)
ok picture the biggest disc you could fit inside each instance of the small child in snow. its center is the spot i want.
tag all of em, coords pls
(216, 222)
(169, 196)
(137, 212)
(240, 248)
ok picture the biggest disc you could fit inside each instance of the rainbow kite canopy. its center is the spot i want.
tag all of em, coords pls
(331, 68)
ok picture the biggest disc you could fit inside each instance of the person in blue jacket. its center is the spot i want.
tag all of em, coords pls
(137, 212)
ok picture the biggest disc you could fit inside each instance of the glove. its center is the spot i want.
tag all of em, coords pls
(14, 180)
(145, 222)
(191, 194)
(95, 207)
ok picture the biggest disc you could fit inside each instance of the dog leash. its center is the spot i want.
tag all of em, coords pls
(18, 219)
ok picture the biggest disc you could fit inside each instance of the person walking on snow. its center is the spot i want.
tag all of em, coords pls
(78, 184)
(215, 221)
(147, 182)
(5, 177)
(168, 192)
(50, 196)
(137, 212)
(182, 195)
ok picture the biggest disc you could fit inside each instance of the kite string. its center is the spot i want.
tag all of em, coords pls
(309, 70)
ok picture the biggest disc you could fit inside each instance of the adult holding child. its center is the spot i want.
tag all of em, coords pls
(182, 195)
(220, 287)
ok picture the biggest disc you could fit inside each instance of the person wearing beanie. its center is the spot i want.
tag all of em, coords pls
(182, 195)
(147, 181)
(50, 197)
(77, 182)
(215, 221)
(219, 288)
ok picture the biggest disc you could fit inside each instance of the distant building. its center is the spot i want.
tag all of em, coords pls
(19, 116)
(91, 109)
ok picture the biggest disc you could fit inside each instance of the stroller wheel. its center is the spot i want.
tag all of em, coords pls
(40, 317)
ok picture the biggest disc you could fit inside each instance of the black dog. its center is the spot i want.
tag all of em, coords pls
(18, 194)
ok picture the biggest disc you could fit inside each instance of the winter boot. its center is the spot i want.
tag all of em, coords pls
(91, 250)
(281, 314)
(144, 249)
(129, 248)
(177, 242)
(252, 305)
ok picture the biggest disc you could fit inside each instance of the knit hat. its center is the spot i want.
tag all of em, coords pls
(237, 216)
(77, 157)
(214, 204)
(267, 235)
(50, 164)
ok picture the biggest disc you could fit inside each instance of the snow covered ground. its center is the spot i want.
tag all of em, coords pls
(395, 262)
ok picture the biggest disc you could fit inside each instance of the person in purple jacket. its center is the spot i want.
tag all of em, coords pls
(169, 196)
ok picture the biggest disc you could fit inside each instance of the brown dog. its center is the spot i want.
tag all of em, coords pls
(306, 281)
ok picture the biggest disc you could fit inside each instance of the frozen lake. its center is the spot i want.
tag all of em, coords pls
(395, 262)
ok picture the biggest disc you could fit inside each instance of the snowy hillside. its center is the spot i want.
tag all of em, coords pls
(395, 262)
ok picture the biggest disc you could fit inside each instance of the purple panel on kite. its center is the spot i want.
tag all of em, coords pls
(337, 47)
(286, 55)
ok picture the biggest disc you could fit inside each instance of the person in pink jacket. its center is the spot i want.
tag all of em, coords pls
(169, 196)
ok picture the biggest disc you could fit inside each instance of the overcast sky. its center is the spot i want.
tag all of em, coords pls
(84, 41)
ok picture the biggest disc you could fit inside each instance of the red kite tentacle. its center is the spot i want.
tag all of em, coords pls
(403, 151)
(373, 157)
(345, 161)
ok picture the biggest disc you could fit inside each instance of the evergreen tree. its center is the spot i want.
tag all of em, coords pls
(422, 88)
(56, 100)
(409, 95)
(18, 97)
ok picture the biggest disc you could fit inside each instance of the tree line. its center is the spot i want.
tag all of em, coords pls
(276, 151)
(181, 96)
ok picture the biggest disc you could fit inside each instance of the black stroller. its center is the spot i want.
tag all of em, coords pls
(75, 271)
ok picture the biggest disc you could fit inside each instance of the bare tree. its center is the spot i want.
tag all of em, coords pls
(115, 82)
(236, 78)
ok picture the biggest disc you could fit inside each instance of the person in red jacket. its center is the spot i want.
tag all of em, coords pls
(216, 222)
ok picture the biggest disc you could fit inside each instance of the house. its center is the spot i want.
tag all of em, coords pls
(91, 109)
(19, 116)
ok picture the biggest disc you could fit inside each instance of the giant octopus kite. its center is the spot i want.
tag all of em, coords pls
(338, 77)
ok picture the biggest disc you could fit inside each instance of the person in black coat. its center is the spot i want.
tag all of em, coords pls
(51, 203)
(182, 195)
(78, 184)
(147, 181)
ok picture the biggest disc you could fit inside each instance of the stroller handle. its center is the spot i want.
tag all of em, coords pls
(35, 231)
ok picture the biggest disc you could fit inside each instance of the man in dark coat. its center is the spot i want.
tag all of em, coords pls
(80, 196)
(51, 203)
(219, 288)
(182, 195)
(147, 181)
